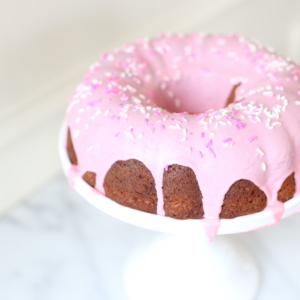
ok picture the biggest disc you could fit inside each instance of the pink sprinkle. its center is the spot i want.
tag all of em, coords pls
(104, 56)
(234, 112)
(131, 130)
(191, 133)
(200, 154)
(202, 134)
(212, 152)
(227, 140)
(232, 119)
(201, 116)
(208, 145)
(112, 117)
(152, 129)
(162, 127)
(252, 139)
(166, 167)
(240, 125)
(146, 120)
(117, 134)
(92, 103)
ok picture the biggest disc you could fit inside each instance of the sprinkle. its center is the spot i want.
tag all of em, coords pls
(212, 152)
(227, 140)
(86, 126)
(117, 134)
(202, 134)
(297, 102)
(268, 93)
(177, 102)
(146, 120)
(112, 117)
(260, 151)
(77, 120)
(264, 167)
(200, 154)
(190, 149)
(89, 149)
(276, 123)
(184, 132)
(212, 134)
(166, 167)
(208, 144)
(172, 127)
(252, 139)
(106, 112)
(162, 127)
(140, 135)
(240, 125)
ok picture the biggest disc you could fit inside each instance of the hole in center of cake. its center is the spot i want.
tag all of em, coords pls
(196, 93)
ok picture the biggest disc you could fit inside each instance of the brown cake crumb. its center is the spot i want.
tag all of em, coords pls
(182, 196)
(243, 198)
(130, 183)
(90, 178)
(287, 189)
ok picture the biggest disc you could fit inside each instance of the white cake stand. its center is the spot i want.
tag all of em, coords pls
(181, 263)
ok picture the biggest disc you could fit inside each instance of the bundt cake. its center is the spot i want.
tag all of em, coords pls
(189, 126)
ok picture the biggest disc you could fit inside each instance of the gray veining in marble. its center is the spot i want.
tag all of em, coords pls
(56, 246)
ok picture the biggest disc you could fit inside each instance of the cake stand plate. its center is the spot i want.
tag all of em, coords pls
(182, 264)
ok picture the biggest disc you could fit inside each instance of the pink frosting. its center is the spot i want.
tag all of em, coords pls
(161, 101)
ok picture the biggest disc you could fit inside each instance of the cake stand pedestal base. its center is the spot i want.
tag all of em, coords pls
(181, 266)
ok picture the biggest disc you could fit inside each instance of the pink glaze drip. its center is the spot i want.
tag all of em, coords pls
(140, 93)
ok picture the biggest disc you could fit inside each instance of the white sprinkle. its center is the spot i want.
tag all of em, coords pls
(222, 122)
(216, 125)
(163, 86)
(77, 120)
(86, 126)
(276, 123)
(172, 126)
(110, 57)
(297, 102)
(81, 110)
(212, 134)
(177, 102)
(140, 135)
(89, 149)
(75, 133)
(264, 167)
(260, 151)
(106, 112)
(190, 149)
(171, 94)
(184, 132)
(98, 112)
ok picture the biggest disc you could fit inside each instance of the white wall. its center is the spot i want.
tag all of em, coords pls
(46, 47)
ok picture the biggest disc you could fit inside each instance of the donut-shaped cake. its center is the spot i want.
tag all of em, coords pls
(189, 126)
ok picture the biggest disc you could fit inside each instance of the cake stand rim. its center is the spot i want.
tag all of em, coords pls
(165, 224)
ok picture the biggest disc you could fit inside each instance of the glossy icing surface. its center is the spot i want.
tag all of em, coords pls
(161, 101)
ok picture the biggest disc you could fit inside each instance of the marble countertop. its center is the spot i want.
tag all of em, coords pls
(56, 246)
